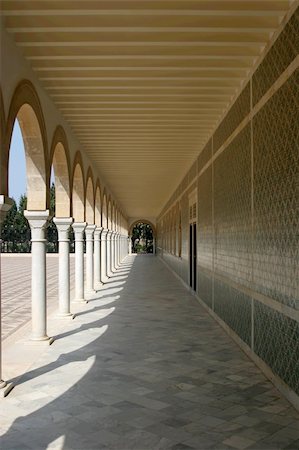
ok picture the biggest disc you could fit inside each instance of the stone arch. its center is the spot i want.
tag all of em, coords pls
(104, 211)
(113, 216)
(98, 205)
(143, 221)
(3, 174)
(109, 214)
(59, 157)
(89, 199)
(26, 108)
(78, 193)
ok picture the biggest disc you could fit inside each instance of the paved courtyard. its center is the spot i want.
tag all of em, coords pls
(16, 289)
(143, 366)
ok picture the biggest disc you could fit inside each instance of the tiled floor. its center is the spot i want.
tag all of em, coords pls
(143, 366)
(16, 289)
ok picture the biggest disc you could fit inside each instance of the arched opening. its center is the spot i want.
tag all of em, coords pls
(78, 194)
(142, 235)
(104, 213)
(24, 171)
(60, 202)
(15, 231)
(109, 218)
(98, 206)
(89, 204)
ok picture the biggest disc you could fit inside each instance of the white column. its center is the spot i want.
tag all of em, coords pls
(130, 245)
(89, 231)
(63, 226)
(113, 263)
(154, 245)
(5, 205)
(38, 223)
(117, 248)
(97, 258)
(104, 255)
(79, 228)
(109, 253)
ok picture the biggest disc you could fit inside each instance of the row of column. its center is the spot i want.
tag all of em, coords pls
(105, 249)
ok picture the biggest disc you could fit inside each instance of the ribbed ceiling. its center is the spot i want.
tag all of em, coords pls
(142, 83)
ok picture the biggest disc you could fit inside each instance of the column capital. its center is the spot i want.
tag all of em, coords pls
(63, 223)
(38, 223)
(97, 233)
(5, 205)
(104, 234)
(89, 230)
(109, 235)
(79, 226)
(37, 219)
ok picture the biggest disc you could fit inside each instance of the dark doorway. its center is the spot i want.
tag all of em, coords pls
(192, 256)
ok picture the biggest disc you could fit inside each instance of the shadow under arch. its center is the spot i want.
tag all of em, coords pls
(60, 159)
(89, 198)
(98, 205)
(104, 210)
(78, 189)
(25, 106)
(74, 393)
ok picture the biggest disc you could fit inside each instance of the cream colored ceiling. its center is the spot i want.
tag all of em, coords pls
(143, 82)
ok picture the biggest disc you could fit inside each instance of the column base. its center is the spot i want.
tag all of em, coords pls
(80, 300)
(37, 341)
(69, 316)
(5, 388)
(98, 286)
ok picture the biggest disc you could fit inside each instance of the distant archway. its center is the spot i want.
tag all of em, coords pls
(142, 235)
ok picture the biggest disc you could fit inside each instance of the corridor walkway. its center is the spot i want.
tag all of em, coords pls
(143, 366)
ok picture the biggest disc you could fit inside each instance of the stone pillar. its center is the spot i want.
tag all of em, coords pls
(89, 231)
(104, 255)
(109, 253)
(97, 258)
(117, 249)
(5, 205)
(113, 247)
(79, 228)
(63, 227)
(38, 222)
(154, 246)
(130, 245)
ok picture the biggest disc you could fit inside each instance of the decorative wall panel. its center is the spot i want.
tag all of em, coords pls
(282, 53)
(248, 216)
(276, 341)
(234, 117)
(234, 308)
(205, 221)
(232, 210)
(276, 201)
(205, 155)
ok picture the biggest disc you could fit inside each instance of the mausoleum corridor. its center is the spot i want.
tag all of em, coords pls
(144, 366)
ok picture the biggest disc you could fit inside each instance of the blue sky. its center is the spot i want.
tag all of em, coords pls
(17, 165)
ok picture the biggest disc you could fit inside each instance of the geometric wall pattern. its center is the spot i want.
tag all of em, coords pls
(276, 341)
(248, 215)
(276, 201)
(282, 53)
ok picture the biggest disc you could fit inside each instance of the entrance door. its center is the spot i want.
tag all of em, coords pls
(192, 256)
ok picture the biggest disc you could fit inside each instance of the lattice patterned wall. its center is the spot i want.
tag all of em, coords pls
(248, 214)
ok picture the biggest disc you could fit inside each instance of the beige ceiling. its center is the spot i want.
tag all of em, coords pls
(142, 82)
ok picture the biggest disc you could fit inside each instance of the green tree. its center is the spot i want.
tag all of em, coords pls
(142, 238)
(52, 234)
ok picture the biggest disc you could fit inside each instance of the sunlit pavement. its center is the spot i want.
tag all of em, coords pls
(16, 289)
(143, 366)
